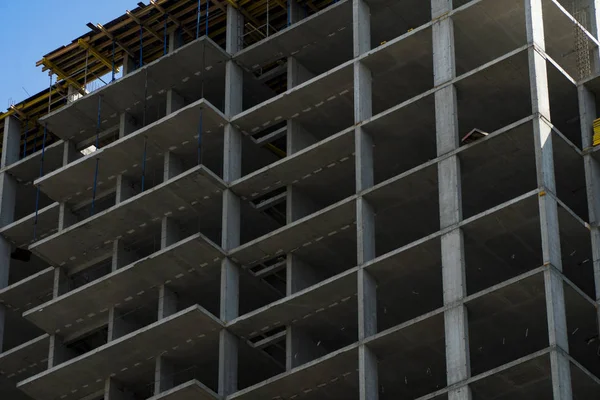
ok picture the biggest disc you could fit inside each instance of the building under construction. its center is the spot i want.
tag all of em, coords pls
(308, 199)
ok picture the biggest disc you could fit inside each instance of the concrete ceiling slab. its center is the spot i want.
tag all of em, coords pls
(576, 251)
(585, 384)
(509, 156)
(530, 378)
(581, 325)
(561, 39)
(307, 99)
(296, 166)
(487, 29)
(322, 298)
(27, 169)
(411, 356)
(409, 281)
(507, 321)
(390, 18)
(502, 242)
(25, 360)
(333, 376)
(176, 132)
(194, 255)
(295, 235)
(201, 59)
(21, 233)
(495, 94)
(192, 390)
(324, 35)
(401, 68)
(192, 328)
(196, 190)
(404, 136)
(29, 292)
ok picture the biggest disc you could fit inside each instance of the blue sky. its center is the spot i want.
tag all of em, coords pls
(32, 28)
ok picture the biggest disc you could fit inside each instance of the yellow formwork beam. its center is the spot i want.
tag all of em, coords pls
(96, 54)
(62, 75)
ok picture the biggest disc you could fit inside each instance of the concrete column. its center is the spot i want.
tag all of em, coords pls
(450, 202)
(555, 302)
(167, 302)
(593, 10)
(61, 281)
(297, 73)
(65, 217)
(361, 18)
(128, 65)
(114, 390)
(11, 142)
(230, 236)
(300, 347)
(174, 40)
(119, 325)
(8, 192)
(365, 216)
(121, 257)
(295, 12)
(58, 352)
(164, 369)
(587, 112)
(174, 101)
(164, 375)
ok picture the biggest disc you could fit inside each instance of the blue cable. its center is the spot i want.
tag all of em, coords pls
(207, 13)
(165, 39)
(198, 21)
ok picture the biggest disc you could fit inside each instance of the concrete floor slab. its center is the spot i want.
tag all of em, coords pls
(409, 281)
(27, 169)
(333, 376)
(29, 292)
(504, 154)
(321, 302)
(192, 390)
(196, 191)
(194, 255)
(411, 357)
(404, 136)
(296, 166)
(398, 201)
(192, 328)
(25, 360)
(21, 233)
(77, 121)
(401, 68)
(507, 321)
(176, 132)
(485, 30)
(503, 242)
(561, 37)
(295, 235)
(528, 378)
(318, 41)
(310, 100)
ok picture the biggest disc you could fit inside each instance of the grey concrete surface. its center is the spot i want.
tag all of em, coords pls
(187, 329)
(186, 193)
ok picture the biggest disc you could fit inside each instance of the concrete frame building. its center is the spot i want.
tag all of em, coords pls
(338, 238)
